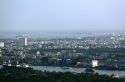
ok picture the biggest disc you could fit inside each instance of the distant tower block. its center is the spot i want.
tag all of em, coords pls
(94, 63)
(38, 53)
(22, 41)
(1, 44)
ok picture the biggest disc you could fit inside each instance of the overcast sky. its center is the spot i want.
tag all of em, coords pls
(62, 15)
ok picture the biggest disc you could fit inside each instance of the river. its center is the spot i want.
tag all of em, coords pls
(77, 70)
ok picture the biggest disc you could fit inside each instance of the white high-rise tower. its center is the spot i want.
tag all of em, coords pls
(1, 44)
(22, 41)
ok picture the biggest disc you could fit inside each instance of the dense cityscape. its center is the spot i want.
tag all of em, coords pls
(105, 51)
(108, 49)
(62, 40)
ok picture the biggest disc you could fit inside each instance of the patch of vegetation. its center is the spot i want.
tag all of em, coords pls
(39, 76)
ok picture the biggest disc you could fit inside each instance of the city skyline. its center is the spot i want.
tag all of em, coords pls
(60, 16)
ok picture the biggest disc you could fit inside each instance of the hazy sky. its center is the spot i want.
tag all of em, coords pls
(62, 15)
